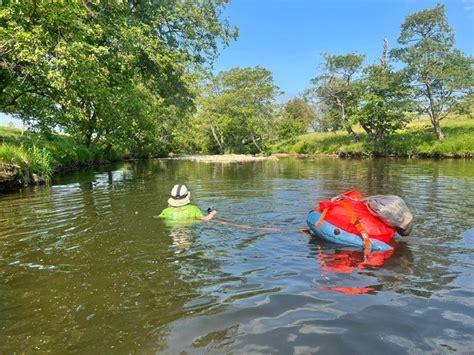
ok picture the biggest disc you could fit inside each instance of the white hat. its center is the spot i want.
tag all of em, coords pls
(180, 196)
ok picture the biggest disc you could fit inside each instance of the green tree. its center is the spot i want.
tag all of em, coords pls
(107, 72)
(323, 121)
(440, 74)
(297, 115)
(385, 101)
(238, 110)
(338, 89)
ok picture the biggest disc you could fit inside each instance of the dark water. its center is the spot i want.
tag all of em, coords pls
(85, 267)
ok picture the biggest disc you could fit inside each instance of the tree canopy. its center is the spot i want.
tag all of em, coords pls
(385, 105)
(138, 74)
(338, 90)
(238, 110)
(296, 117)
(440, 74)
(107, 71)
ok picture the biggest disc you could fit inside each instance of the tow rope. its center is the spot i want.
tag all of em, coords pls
(245, 226)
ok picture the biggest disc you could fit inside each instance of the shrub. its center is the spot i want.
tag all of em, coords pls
(41, 162)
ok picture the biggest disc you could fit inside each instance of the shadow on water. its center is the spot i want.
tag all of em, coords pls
(86, 267)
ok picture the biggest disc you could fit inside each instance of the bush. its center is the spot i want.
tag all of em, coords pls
(418, 139)
(40, 162)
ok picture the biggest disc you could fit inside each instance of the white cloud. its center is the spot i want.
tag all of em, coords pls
(468, 5)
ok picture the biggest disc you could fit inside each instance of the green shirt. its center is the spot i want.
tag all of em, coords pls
(185, 214)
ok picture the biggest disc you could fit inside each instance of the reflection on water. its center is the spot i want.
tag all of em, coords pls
(85, 266)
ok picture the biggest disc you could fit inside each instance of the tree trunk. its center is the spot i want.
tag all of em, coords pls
(345, 124)
(91, 128)
(383, 59)
(351, 133)
(107, 149)
(216, 138)
(367, 130)
(437, 126)
(88, 139)
(434, 114)
(255, 143)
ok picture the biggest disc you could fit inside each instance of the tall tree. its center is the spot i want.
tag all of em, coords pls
(238, 110)
(338, 89)
(297, 115)
(441, 75)
(385, 99)
(106, 71)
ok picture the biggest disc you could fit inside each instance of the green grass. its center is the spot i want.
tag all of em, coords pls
(41, 162)
(10, 154)
(43, 155)
(17, 157)
(418, 139)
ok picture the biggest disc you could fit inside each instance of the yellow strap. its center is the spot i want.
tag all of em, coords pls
(321, 218)
(349, 210)
(356, 222)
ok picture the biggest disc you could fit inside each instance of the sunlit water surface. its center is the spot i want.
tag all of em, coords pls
(86, 267)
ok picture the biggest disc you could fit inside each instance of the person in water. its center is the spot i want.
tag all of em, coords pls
(180, 209)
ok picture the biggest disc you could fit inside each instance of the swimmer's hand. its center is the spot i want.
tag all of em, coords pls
(210, 214)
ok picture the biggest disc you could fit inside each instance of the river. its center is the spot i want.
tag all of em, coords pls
(86, 267)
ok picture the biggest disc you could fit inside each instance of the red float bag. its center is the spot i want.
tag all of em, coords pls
(348, 212)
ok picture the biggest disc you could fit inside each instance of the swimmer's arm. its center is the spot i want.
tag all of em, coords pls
(209, 216)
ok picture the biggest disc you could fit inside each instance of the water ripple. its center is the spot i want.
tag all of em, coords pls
(85, 266)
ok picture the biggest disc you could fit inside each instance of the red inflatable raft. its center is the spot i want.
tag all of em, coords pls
(348, 212)
(346, 219)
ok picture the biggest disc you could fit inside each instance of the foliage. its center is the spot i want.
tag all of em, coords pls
(296, 118)
(441, 75)
(338, 90)
(418, 139)
(40, 162)
(27, 161)
(107, 73)
(323, 120)
(384, 101)
(238, 111)
(465, 106)
(35, 153)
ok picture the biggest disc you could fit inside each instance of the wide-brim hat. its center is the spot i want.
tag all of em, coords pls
(180, 196)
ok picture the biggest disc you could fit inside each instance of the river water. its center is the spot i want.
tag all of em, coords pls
(86, 267)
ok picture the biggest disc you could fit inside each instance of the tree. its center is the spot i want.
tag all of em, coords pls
(338, 90)
(440, 74)
(385, 100)
(107, 71)
(384, 103)
(323, 120)
(296, 118)
(238, 110)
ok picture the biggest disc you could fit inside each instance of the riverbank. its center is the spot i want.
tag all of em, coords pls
(417, 140)
(33, 158)
(226, 158)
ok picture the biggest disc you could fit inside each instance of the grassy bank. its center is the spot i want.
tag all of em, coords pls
(33, 157)
(417, 140)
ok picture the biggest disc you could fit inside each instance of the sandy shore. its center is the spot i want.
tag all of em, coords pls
(225, 158)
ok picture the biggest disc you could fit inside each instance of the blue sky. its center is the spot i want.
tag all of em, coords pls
(288, 36)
